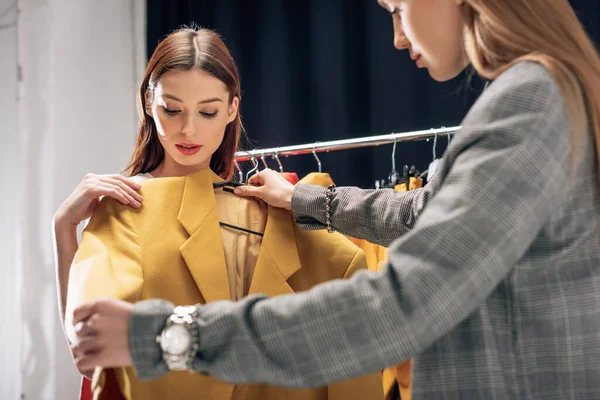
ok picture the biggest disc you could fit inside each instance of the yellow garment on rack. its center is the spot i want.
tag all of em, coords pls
(376, 256)
(173, 248)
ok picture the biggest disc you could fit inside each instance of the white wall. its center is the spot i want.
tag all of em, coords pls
(81, 61)
(10, 187)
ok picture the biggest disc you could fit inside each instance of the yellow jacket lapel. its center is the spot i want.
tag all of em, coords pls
(203, 251)
(278, 256)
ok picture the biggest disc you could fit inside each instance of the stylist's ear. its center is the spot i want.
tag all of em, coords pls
(148, 101)
(233, 109)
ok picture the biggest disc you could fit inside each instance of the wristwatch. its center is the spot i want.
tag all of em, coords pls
(179, 338)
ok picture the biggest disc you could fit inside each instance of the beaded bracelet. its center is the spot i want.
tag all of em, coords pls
(328, 194)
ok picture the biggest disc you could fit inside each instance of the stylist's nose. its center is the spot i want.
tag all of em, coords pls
(400, 40)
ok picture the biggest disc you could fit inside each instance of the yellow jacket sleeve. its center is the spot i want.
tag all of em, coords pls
(359, 262)
(107, 264)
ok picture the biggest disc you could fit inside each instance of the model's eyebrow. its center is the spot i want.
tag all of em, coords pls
(211, 100)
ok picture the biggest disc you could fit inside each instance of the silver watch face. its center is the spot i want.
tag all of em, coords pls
(176, 339)
(184, 309)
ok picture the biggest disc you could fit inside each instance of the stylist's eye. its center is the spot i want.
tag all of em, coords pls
(171, 112)
(209, 115)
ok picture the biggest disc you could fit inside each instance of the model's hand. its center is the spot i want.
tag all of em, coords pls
(81, 204)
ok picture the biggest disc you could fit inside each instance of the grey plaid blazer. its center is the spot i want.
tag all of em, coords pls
(493, 285)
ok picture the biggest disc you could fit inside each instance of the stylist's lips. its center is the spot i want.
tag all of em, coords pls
(417, 59)
(188, 149)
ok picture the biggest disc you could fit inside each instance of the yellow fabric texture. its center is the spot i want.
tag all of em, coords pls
(242, 248)
(173, 248)
(376, 256)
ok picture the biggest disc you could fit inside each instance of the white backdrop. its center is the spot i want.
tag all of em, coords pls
(10, 185)
(72, 111)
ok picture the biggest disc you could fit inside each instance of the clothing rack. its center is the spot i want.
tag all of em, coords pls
(343, 144)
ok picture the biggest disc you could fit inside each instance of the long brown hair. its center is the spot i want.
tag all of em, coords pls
(499, 34)
(183, 50)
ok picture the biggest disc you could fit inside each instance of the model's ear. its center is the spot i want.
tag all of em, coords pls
(233, 109)
(148, 100)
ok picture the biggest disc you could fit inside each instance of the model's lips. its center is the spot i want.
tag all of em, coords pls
(188, 149)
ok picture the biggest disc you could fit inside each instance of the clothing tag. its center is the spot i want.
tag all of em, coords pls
(432, 169)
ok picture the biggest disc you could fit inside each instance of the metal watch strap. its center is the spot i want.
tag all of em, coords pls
(184, 315)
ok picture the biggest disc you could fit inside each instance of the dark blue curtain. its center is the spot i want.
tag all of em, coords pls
(319, 70)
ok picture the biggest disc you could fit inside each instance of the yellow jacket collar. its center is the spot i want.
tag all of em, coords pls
(204, 254)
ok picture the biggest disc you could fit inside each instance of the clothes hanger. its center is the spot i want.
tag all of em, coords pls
(291, 177)
(433, 165)
(407, 173)
(314, 152)
(393, 177)
(406, 177)
(238, 228)
(239, 171)
(254, 169)
(448, 134)
(425, 174)
(228, 186)
(276, 157)
(264, 161)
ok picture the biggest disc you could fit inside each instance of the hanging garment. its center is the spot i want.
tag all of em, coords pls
(372, 251)
(291, 177)
(401, 373)
(85, 392)
(376, 255)
(174, 248)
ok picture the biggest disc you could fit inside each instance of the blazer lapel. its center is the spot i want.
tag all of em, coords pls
(203, 250)
(278, 256)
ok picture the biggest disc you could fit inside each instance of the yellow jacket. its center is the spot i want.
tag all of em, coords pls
(376, 255)
(172, 248)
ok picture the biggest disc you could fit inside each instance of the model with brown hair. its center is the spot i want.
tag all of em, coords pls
(191, 241)
(191, 88)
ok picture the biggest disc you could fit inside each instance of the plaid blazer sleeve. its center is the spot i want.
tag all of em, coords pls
(379, 216)
(499, 183)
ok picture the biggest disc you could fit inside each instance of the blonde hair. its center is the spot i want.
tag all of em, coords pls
(499, 34)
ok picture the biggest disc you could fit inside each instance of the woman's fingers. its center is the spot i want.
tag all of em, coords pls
(107, 345)
(129, 182)
(84, 312)
(116, 186)
(106, 189)
(116, 192)
(125, 187)
(88, 361)
(248, 191)
(84, 346)
(258, 178)
(85, 328)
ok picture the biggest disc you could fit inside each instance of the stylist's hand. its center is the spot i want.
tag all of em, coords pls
(270, 187)
(81, 204)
